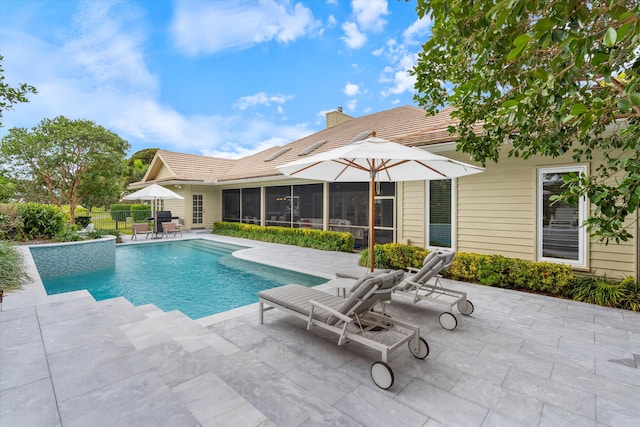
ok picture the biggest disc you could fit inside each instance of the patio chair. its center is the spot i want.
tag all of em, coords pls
(352, 318)
(171, 228)
(416, 285)
(141, 228)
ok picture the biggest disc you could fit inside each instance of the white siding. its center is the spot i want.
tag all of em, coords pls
(411, 211)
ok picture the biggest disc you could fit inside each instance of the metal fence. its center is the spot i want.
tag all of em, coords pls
(116, 220)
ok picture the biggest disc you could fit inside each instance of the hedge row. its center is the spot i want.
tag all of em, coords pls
(306, 237)
(496, 270)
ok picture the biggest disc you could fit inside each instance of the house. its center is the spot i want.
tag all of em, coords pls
(506, 210)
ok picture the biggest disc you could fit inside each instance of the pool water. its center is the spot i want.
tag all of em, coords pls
(197, 277)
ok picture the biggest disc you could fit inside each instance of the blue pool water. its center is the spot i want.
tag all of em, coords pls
(197, 277)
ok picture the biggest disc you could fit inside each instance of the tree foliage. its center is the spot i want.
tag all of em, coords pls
(138, 164)
(549, 77)
(9, 96)
(70, 158)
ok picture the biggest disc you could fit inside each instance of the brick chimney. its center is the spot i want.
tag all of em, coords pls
(336, 117)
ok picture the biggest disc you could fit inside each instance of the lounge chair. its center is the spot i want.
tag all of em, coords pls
(141, 228)
(352, 318)
(416, 285)
(171, 228)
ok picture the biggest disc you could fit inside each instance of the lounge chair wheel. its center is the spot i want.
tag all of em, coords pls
(382, 375)
(448, 321)
(423, 348)
(465, 307)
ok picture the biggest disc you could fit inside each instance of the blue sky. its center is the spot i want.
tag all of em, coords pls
(220, 77)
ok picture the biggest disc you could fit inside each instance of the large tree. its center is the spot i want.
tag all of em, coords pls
(70, 158)
(549, 77)
(9, 96)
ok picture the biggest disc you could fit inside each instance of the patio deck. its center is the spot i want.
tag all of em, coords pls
(520, 359)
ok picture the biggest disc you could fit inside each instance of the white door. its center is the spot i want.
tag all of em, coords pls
(197, 216)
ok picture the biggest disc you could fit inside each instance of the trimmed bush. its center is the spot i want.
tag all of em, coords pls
(305, 237)
(140, 213)
(394, 256)
(12, 273)
(490, 270)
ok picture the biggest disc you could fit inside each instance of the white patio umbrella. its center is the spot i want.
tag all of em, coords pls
(153, 192)
(376, 159)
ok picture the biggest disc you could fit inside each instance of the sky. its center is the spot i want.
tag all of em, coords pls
(224, 78)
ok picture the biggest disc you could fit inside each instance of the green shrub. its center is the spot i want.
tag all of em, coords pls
(306, 237)
(597, 290)
(120, 211)
(83, 221)
(631, 294)
(466, 267)
(394, 256)
(490, 270)
(140, 213)
(39, 221)
(9, 221)
(12, 272)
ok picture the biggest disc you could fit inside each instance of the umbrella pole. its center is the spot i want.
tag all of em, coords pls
(372, 224)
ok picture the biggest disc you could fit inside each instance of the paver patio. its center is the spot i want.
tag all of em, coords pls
(520, 359)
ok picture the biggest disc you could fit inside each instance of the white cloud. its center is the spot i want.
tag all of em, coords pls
(331, 21)
(261, 98)
(402, 82)
(396, 74)
(209, 27)
(419, 29)
(352, 36)
(369, 14)
(352, 104)
(351, 89)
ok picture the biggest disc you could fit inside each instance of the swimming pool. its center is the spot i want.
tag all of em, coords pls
(198, 277)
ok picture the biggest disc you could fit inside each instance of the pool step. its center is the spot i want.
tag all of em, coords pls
(110, 363)
(215, 244)
(205, 247)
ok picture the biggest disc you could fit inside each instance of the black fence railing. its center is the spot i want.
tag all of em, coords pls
(116, 220)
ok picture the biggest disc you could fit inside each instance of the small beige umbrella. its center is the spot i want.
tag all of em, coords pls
(376, 159)
(153, 192)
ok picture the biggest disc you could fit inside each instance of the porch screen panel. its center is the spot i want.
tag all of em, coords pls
(440, 213)
(278, 205)
(231, 205)
(349, 203)
(307, 210)
(251, 205)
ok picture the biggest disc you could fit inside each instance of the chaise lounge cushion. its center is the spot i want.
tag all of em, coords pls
(297, 297)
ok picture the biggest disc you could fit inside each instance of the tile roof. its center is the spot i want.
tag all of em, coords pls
(187, 167)
(406, 125)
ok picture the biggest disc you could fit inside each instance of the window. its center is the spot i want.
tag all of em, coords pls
(561, 238)
(439, 200)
